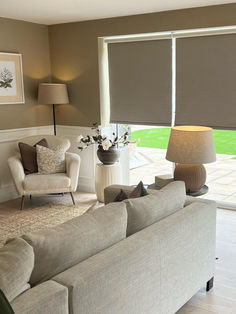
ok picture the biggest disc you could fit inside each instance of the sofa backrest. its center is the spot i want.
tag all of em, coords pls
(146, 210)
(65, 245)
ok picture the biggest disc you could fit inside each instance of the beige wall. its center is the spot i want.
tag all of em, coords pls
(74, 58)
(31, 40)
(74, 51)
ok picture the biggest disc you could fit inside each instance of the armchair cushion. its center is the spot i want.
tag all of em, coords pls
(29, 155)
(50, 161)
(44, 182)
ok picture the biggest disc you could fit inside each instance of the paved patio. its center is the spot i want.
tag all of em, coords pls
(221, 175)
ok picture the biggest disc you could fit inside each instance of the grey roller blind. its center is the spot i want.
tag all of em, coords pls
(206, 81)
(140, 82)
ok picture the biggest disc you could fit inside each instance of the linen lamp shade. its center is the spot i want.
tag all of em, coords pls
(52, 93)
(190, 147)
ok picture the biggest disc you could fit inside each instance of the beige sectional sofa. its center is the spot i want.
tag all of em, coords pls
(89, 265)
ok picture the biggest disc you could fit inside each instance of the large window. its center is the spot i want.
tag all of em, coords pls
(174, 78)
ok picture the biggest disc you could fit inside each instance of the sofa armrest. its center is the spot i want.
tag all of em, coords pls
(17, 172)
(163, 180)
(72, 169)
(46, 298)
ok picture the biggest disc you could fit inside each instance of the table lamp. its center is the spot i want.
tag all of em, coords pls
(52, 94)
(190, 147)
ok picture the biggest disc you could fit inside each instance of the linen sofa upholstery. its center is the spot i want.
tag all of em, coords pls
(67, 244)
(46, 298)
(16, 266)
(64, 182)
(156, 270)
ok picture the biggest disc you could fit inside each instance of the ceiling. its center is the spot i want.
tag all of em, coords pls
(63, 11)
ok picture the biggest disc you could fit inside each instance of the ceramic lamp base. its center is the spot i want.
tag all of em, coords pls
(194, 176)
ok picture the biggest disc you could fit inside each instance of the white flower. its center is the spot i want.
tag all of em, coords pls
(79, 138)
(106, 144)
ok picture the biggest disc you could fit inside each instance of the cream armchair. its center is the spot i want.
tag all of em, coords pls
(39, 184)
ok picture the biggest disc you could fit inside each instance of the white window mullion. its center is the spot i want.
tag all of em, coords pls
(173, 111)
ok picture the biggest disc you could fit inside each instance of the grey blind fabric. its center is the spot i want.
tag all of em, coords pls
(206, 81)
(140, 82)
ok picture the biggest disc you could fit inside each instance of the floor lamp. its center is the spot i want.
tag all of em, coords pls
(52, 94)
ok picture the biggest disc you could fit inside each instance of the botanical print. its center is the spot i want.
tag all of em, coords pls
(7, 78)
(11, 79)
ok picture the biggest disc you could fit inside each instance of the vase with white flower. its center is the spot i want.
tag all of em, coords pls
(108, 149)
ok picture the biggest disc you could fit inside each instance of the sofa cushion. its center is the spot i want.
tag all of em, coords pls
(38, 181)
(149, 209)
(65, 245)
(16, 265)
(29, 155)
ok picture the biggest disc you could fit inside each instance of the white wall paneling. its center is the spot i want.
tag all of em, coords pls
(9, 138)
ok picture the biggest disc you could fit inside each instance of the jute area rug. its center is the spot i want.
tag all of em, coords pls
(36, 219)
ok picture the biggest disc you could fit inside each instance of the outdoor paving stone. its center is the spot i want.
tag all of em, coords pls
(224, 189)
(221, 175)
(215, 197)
(225, 180)
(231, 199)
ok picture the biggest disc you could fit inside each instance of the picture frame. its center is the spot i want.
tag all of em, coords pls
(11, 79)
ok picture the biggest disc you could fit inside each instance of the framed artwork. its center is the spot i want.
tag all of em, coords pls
(11, 79)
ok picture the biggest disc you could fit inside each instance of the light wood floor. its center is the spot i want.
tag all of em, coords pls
(221, 299)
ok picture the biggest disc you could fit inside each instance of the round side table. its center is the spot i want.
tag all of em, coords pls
(106, 175)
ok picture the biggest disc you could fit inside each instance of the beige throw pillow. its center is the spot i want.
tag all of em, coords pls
(16, 266)
(50, 161)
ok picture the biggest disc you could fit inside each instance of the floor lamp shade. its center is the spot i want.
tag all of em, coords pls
(190, 147)
(53, 94)
(49, 93)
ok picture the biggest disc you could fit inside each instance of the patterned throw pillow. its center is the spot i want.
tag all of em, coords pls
(50, 161)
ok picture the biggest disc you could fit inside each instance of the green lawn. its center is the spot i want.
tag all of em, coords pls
(225, 141)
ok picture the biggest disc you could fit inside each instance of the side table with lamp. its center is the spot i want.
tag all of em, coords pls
(189, 148)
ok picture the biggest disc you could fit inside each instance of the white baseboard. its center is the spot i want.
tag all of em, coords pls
(86, 184)
(8, 193)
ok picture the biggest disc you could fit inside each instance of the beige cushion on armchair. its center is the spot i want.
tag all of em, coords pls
(51, 183)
